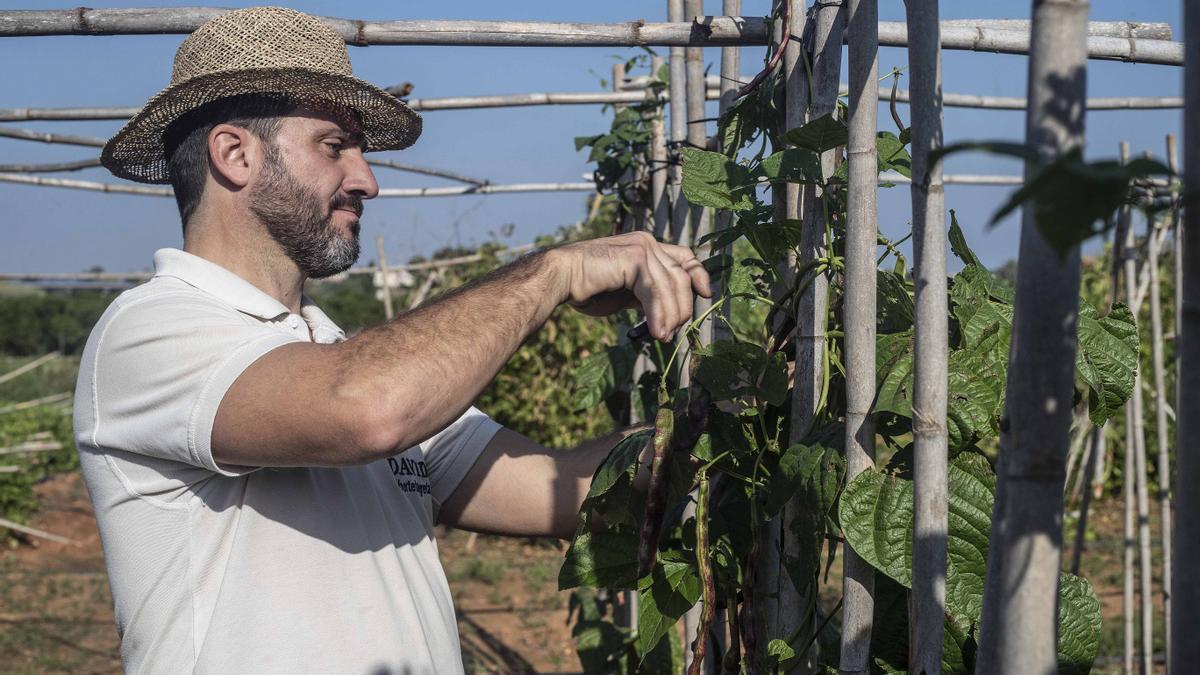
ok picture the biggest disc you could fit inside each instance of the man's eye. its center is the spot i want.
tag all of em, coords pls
(335, 146)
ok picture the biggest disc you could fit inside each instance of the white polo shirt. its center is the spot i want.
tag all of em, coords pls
(227, 569)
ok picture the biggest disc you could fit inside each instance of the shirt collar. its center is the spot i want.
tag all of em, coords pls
(220, 282)
(324, 330)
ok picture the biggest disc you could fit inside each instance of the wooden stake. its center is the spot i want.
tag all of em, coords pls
(384, 279)
(858, 312)
(1019, 626)
(1157, 347)
(32, 365)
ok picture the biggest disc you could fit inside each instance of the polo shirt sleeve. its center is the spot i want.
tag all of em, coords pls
(452, 452)
(159, 368)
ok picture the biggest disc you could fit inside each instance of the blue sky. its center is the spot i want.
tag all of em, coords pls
(55, 230)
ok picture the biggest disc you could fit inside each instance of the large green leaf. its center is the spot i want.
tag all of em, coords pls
(876, 515)
(824, 133)
(664, 595)
(793, 165)
(1107, 358)
(889, 637)
(603, 559)
(958, 243)
(600, 374)
(712, 179)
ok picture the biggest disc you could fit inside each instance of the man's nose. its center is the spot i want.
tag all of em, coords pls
(360, 179)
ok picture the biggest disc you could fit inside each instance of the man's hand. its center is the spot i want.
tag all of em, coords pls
(633, 270)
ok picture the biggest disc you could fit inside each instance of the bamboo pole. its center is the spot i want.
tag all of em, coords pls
(629, 94)
(1096, 454)
(858, 312)
(1169, 532)
(729, 84)
(48, 168)
(44, 400)
(886, 178)
(34, 364)
(1160, 412)
(679, 126)
(931, 442)
(34, 532)
(1139, 448)
(1128, 554)
(67, 139)
(31, 447)
(385, 281)
(451, 191)
(427, 171)
(697, 126)
(657, 160)
(828, 23)
(710, 31)
(1019, 627)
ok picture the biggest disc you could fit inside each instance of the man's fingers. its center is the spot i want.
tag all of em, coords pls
(685, 258)
(681, 286)
(655, 293)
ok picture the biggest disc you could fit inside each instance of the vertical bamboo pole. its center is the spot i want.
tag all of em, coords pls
(773, 592)
(1019, 628)
(1169, 533)
(1101, 468)
(386, 280)
(660, 205)
(1096, 444)
(858, 311)
(697, 129)
(931, 348)
(1160, 419)
(678, 106)
(1187, 407)
(730, 72)
(1128, 555)
(1139, 448)
(812, 305)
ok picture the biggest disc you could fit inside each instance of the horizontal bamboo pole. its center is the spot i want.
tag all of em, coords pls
(454, 191)
(634, 93)
(45, 400)
(31, 447)
(1123, 29)
(32, 365)
(704, 32)
(50, 168)
(34, 532)
(426, 171)
(66, 139)
(143, 276)
(709, 31)
(11, 468)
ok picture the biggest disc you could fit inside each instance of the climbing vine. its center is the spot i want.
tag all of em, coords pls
(722, 442)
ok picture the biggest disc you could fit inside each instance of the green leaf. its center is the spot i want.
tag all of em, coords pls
(958, 243)
(794, 165)
(603, 559)
(601, 374)
(664, 595)
(1078, 625)
(876, 517)
(824, 133)
(781, 652)
(892, 154)
(621, 462)
(713, 180)
(1106, 360)
(895, 304)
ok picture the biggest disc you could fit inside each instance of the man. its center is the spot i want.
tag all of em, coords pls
(266, 490)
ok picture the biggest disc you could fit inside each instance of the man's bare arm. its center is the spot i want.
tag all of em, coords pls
(397, 384)
(520, 488)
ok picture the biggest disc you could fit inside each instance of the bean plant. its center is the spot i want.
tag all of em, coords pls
(721, 444)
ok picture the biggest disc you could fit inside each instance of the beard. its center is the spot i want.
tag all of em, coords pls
(301, 222)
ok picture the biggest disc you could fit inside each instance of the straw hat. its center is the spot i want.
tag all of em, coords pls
(249, 51)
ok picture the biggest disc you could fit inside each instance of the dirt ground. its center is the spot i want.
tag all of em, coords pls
(56, 612)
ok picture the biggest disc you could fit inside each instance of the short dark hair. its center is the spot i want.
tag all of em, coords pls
(186, 140)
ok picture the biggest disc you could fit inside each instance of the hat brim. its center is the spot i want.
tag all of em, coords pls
(137, 152)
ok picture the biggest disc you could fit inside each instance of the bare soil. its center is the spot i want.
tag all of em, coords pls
(56, 611)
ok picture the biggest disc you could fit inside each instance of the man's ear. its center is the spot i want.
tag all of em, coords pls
(231, 153)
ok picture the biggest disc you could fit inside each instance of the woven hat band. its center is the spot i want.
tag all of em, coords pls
(261, 37)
